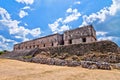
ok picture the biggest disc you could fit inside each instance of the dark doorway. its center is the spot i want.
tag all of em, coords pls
(83, 39)
(70, 41)
(33, 46)
(30, 47)
(38, 46)
(62, 43)
(44, 45)
(52, 44)
(26, 47)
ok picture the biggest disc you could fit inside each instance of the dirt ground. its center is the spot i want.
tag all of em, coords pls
(17, 70)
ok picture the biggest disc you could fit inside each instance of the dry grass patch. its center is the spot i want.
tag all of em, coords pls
(17, 70)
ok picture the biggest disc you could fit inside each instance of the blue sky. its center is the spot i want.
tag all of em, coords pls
(22, 20)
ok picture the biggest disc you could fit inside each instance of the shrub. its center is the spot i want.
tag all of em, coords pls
(27, 57)
(1, 52)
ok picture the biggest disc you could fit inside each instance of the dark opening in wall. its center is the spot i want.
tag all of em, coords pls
(43, 45)
(37, 45)
(62, 42)
(83, 39)
(70, 41)
(30, 47)
(33, 46)
(52, 44)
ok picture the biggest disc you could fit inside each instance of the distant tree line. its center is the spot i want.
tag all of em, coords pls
(2, 52)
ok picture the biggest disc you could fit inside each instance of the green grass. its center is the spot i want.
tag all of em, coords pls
(27, 57)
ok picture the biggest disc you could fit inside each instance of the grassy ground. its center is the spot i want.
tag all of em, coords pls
(17, 70)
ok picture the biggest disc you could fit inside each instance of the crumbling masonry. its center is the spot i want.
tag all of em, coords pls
(85, 34)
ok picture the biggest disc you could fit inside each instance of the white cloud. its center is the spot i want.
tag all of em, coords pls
(103, 36)
(22, 14)
(3, 40)
(15, 29)
(112, 38)
(26, 7)
(4, 43)
(55, 27)
(73, 16)
(114, 7)
(102, 14)
(61, 24)
(26, 1)
(25, 24)
(35, 32)
(101, 33)
(69, 10)
(77, 2)
(4, 14)
(64, 28)
(18, 37)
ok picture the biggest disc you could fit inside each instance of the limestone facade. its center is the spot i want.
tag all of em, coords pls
(84, 34)
(47, 41)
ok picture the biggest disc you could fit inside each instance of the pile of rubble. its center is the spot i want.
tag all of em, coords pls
(96, 65)
(70, 63)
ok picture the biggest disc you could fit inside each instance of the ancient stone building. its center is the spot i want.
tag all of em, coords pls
(84, 34)
(80, 35)
(47, 41)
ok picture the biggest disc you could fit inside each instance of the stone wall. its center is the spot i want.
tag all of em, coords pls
(80, 35)
(83, 48)
(119, 49)
(51, 40)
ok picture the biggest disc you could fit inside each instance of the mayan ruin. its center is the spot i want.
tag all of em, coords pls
(60, 39)
(85, 34)
(76, 47)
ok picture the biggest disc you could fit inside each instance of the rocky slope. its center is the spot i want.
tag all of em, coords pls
(99, 55)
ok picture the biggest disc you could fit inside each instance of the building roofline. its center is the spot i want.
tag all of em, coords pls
(79, 28)
(39, 38)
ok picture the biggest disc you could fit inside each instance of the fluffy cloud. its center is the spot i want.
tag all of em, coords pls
(15, 29)
(101, 33)
(112, 38)
(21, 31)
(64, 28)
(77, 2)
(3, 40)
(4, 43)
(105, 36)
(22, 14)
(74, 15)
(60, 24)
(25, 1)
(4, 14)
(55, 27)
(26, 7)
(35, 32)
(102, 14)
(114, 7)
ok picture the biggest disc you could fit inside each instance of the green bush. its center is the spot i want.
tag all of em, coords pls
(1, 52)
(27, 57)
